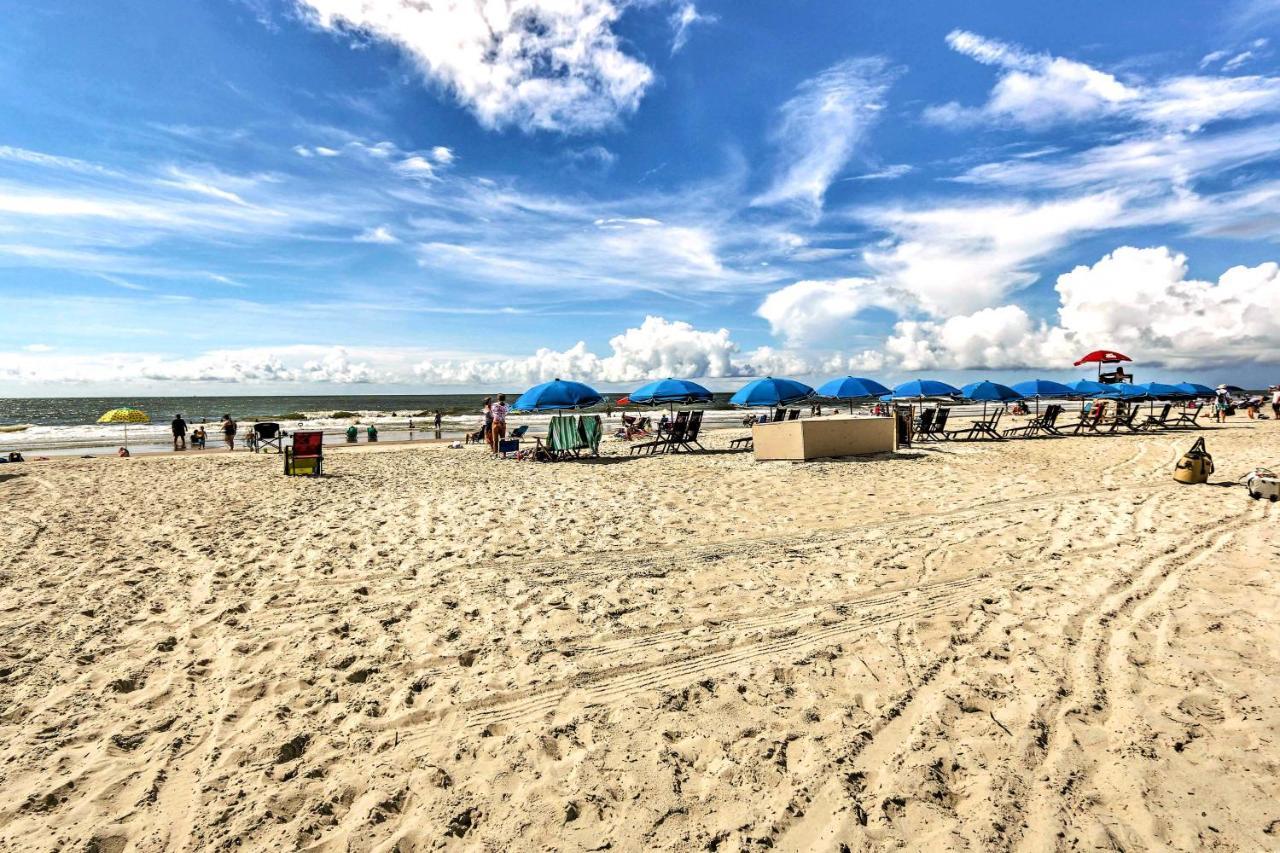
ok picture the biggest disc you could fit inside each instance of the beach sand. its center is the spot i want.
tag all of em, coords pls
(1034, 645)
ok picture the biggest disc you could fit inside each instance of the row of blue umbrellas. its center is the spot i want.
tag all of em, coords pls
(770, 391)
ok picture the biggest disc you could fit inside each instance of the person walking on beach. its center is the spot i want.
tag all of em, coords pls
(438, 419)
(229, 432)
(179, 432)
(1221, 402)
(499, 430)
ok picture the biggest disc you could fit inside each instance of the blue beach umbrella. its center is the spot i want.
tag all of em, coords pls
(1161, 390)
(1038, 388)
(1088, 388)
(671, 391)
(989, 392)
(851, 388)
(925, 388)
(771, 392)
(556, 395)
(1195, 389)
(1123, 391)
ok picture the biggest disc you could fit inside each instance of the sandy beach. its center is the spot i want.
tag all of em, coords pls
(1032, 645)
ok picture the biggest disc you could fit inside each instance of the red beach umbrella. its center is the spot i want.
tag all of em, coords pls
(1103, 356)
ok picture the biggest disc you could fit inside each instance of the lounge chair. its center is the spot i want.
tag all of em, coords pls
(747, 442)
(564, 439)
(1125, 415)
(689, 439)
(306, 456)
(924, 423)
(518, 432)
(902, 425)
(1046, 423)
(778, 415)
(674, 432)
(1090, 419)
(937, 431)
(1160, 421)
(793, 415)
(1185, 420)
(986, 428)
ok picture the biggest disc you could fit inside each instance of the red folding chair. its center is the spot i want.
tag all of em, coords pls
(306, 456)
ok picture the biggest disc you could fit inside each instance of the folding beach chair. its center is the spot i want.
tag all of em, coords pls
(1090, 419)
(675, 432)
(985, 428)
(518, 432)
(1045, 423)
(590, 431)
(689, 439)
(902, 425)
(778, 415)
(793, 415)
(937, 431)
(748, 442)
(1160, 421)
(1187, 421)
(306, 456)
(267, 435)
(1125, 415)
(924, 424)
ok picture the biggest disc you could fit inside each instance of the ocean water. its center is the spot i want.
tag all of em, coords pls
(62, 425)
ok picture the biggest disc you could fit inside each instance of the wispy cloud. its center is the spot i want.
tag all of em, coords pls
(821, 126)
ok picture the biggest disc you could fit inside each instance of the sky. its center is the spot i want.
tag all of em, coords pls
(376, 196)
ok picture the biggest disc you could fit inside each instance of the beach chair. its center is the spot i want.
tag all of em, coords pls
(674, 432)
(747, 442)
(564, 439)
(986, 428)
(1160, 421)
(590, 431)
(902, 425)
(267, 435)
(937, 430)
(306, 456)
(1090, 419)
(1045, 423)
(1126, 413)
(1187, 421)
(924, 424)
(518, 432)
(793, 415)
(689, 439)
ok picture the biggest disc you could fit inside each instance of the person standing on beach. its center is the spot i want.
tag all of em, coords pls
(438, 419)
(487, 429)
(179, 432)
(499, 430)
(229, 432)
(1221, 402)
(1275, 402)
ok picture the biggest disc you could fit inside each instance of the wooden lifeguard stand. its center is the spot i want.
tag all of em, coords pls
(1103, 357)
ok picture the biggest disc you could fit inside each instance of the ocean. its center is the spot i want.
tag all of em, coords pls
(68, 425)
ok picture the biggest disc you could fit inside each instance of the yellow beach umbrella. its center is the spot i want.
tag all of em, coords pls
(126, 417)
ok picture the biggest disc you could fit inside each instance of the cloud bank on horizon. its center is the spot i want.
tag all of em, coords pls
(391, 194)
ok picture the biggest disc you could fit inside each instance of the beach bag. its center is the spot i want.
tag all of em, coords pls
(1195, 466)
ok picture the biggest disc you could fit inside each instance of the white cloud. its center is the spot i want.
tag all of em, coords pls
(442, 155)
(809, 313)
(888, 173)
(380, 234)
(535, 64)
(37, 348)
(968, 256)
(327, 152)
(685, 16)
(821, 127)
(1040, 90)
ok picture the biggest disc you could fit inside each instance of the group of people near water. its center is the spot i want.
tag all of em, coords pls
(198, 435)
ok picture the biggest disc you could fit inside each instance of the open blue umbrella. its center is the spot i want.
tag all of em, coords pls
(851, 388)
(989, 392)
(1088, 388)
(1038, 388)
(1162, 391)
(771, 392)
(1195, 389)
(925, 388)
(671, 391)
(556, 395)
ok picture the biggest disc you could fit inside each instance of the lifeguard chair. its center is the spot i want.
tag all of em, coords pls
(1103, 357)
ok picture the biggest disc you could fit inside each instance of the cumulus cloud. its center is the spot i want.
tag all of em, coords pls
(812, 312)
(821, 126)
(1140, 301)
(1037, 89)
(535, 64)
(655, 349)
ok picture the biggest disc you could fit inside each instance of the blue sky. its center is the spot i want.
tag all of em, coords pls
(286, 195)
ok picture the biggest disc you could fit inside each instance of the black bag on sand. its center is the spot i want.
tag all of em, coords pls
(1195, 466)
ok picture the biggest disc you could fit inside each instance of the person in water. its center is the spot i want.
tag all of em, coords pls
(179, 433)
